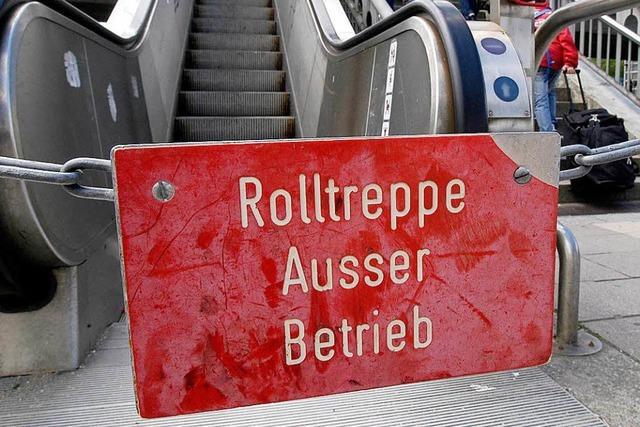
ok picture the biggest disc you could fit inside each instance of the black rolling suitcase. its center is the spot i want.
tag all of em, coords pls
(596, 128)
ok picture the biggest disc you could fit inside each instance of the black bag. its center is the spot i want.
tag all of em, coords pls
(596, 128)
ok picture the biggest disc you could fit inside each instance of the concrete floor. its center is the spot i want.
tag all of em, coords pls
(608, 382)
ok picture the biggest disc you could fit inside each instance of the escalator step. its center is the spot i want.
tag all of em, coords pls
(234, 59)
(193, 129)
(256, 3)
(233, 10)
(233, 103)
(230, 80)
(234, 42)
(227, 25)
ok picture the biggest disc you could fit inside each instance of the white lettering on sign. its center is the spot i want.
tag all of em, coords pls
(372, 272)
(355, 341)
(280, 205)
(318, 199)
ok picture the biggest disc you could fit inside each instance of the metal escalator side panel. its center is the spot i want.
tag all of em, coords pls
(63, 7)
(64, 95)
(70, 90)
(440, 79)
(415, 88)
(161, 60)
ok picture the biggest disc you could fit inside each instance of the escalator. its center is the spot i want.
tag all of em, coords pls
(233, 83)
(190, 71)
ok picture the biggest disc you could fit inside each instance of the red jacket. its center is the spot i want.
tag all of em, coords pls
(562, 51)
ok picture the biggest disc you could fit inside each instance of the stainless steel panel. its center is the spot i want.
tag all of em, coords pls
(353, 81)
(67, 92)
(59, 335)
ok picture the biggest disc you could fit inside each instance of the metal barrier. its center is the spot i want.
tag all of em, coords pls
(574, 13)
(570, 340)
(613, 47)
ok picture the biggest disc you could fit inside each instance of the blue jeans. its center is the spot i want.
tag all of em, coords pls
(544, 90)
(468, 7)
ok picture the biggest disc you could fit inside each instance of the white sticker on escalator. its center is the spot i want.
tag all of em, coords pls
(134, 87)
(71, 68)
(385, 129)
(391, 75)
(112, 103)
(393, 50)
(387, 107)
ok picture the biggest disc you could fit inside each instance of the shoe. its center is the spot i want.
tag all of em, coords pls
(470, 17)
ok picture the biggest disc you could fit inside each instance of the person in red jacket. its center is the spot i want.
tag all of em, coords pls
(562, 55)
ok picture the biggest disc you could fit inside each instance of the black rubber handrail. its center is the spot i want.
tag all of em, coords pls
(78, 16)
(471, 115)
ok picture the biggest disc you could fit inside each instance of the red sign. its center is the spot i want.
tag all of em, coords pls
(283, 270)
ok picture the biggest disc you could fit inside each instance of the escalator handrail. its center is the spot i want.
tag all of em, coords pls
(81, 18)
(469, 97)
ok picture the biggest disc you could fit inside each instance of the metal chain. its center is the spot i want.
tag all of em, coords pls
(586, 158)
(86, 192)
(68, 175)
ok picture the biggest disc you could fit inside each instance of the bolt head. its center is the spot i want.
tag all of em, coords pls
(163, 191)
(522, 175)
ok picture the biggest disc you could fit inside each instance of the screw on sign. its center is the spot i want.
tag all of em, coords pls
(265, 272)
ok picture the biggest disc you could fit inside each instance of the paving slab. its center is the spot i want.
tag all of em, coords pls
(616, 217)
(605, 300)
(630, 228)
(608, 243)
(589, 231)
(574, 208)
(627, 263)
(579, 220)
(623, 333)
(608, 383)
(592, 272)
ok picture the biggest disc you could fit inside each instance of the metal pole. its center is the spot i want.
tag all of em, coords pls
(572, 14)
(570, 341)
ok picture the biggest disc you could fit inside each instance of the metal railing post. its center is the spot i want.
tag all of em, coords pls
(570, 340)
(574, 13)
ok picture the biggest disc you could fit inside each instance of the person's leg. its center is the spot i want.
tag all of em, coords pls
(541, 95)
(475, 6)
(468, 8)
(553, 97)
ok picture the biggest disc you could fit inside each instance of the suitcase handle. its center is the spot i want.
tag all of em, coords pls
(566, 79)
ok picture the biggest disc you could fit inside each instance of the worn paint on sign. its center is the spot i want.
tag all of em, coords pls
(284, 270)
